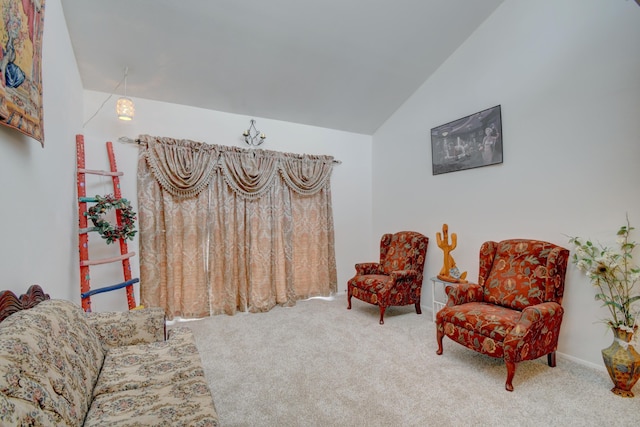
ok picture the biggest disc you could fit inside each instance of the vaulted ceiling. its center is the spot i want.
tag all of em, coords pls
(340, 64)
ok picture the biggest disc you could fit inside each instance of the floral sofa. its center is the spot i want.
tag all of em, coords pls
(61, 366)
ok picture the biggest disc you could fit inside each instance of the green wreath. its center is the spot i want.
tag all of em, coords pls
(108, 232)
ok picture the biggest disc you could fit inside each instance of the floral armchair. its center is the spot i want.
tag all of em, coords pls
(397, 278)
(514, 312)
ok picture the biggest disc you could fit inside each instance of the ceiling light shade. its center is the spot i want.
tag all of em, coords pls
(125, 108)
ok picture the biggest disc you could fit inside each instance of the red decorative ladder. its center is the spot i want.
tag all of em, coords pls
(85, 279)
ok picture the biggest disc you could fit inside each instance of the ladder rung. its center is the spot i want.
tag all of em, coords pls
(87, 199)
(107, 260)
(87, 230)
(109, 288)
(97, 172)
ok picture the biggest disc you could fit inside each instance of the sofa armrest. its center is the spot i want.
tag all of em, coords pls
(117, 329)
(180, 334)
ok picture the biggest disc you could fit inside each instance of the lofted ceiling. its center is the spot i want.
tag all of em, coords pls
(339, 64)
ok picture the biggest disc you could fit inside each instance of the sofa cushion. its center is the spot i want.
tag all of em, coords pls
(50, 356)
(184, 403)
(137, 366)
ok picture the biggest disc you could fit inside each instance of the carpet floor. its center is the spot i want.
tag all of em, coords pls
(319, 364)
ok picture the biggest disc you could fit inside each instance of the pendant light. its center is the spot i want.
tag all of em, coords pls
(124, 107)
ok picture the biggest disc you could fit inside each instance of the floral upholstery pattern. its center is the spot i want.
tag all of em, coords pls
(50, 356)
(514, 312)
(18, 412)
(397, 278)
(186, 403)
(159, 383)
(520, 275)
(117, 329)
(139, 366)
(61, 366)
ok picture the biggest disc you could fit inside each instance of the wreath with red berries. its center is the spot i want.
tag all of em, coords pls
(109, 232)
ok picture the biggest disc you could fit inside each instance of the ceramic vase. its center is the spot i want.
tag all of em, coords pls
(622, 362)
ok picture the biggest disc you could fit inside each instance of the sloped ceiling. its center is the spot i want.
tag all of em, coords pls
(340, 64)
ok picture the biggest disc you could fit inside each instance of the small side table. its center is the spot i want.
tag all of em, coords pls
(438, 295)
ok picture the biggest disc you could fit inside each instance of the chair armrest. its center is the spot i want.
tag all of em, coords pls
(536, 333)
(462, 293)
(117, 329)
(401, 275)
(368, 268)
(539, 312)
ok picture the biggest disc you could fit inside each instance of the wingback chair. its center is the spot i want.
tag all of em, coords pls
(514, 311)
(397, 278)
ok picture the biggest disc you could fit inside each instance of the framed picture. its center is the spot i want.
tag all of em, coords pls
(470, 142)
(20, 66)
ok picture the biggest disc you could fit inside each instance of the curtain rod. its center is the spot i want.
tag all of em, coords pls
(137, 141)
(127, 140)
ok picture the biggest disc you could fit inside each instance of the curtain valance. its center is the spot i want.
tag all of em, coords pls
(306, 174)
(248, 173)
(184, 168)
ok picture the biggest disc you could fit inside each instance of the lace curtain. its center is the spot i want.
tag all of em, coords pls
(224, 229)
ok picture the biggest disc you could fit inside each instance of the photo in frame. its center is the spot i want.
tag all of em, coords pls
(470, 142)
(20, 66)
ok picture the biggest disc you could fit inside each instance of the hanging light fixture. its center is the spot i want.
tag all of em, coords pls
(124, 107)
(253, 136)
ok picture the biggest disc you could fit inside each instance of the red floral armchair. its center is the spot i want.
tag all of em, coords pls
(514, 312)
(397, 278)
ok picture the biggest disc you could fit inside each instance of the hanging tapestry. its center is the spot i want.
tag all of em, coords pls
(20, 66)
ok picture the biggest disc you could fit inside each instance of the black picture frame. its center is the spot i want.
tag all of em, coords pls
(470, 142)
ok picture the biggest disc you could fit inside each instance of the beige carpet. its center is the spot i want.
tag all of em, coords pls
(319, 364)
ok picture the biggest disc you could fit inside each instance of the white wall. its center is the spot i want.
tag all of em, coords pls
(567, 77)
(350, 182)
(37, 219)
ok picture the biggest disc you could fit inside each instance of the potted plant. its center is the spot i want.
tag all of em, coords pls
(615, 276)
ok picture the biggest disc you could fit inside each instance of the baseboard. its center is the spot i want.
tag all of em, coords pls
(581, 362)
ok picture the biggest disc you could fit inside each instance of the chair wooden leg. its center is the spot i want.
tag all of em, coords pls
(511, 371)
(382, 309)
(418, 308)
(440, 336)
(551, 359)
(349, 299)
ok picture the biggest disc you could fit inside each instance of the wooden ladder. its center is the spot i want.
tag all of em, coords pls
(85, 279)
